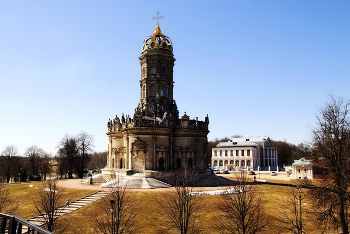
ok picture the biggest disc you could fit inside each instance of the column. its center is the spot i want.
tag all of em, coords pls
(154, 153)
(263, 149)
(171, 159)
(128, 156)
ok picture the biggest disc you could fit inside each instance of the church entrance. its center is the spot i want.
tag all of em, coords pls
(161, 164)
(138, 165)
(178, 163)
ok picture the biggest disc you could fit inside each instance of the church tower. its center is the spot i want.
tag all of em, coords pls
(156, 84)
(156, 138)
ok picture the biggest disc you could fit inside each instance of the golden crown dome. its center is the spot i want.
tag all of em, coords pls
(157, 41)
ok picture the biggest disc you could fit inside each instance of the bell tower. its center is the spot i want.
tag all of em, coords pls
(156, 84)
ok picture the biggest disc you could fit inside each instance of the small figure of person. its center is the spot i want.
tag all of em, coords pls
(254, 178)
(67, 202)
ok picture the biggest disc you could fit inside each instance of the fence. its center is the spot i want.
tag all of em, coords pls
(17, 225)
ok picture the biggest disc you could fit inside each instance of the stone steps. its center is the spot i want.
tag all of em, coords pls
(39, 220)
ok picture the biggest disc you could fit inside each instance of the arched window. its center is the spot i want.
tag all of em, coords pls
(242, 163)
(162, 91)
(220, 163)
(226, 162)
(248, 163)
(215, 163)
(237, 163)
(189, 163)
(231, 162)
(152, 90)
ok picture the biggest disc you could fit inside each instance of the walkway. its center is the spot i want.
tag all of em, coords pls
(136, 181)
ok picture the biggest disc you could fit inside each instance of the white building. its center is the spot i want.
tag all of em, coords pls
(302, 169)
(245, 153)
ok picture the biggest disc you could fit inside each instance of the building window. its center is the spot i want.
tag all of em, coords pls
(215, 153)
(248, 152)
(152, 90)
(242, 163)
(237, 163)
(242, 152)
(225, 152)
(162, 91)
(220, 163)
(215, 163)
(226, 162)
(231, 152)
(236, 152)
(248, 163)
(220, 152)
(299, 170)
(231, 162)
(305, 170)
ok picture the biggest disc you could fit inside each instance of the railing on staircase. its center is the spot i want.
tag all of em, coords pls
(16, 225)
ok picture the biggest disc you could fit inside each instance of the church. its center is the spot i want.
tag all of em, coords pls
(156, 138)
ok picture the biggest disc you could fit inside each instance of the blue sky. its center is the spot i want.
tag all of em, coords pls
(257, 68)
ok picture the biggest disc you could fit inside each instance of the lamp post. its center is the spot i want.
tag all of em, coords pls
(300, 196)
(112, 211)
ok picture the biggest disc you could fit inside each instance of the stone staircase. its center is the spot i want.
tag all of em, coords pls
(38, 220)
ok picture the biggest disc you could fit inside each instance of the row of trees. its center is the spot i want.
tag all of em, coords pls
(75, 155)
(35, 162)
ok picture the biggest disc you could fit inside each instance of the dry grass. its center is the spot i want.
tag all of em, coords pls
(25, 195)
(148, 212)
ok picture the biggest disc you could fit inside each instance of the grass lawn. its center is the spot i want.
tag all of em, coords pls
(148, 212)
(25, 196)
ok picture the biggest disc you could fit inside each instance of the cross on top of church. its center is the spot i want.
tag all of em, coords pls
(158, 17)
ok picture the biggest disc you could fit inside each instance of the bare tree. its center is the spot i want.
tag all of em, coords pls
(7, 203)
(34, 155)
(68, 153)
(50, 198)
(179, 207)
(73, 153)
(45, 167)
(290, 210)
(331, 139)
(117, 213)
(241, 209)
(85, 146)
(7, 167)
